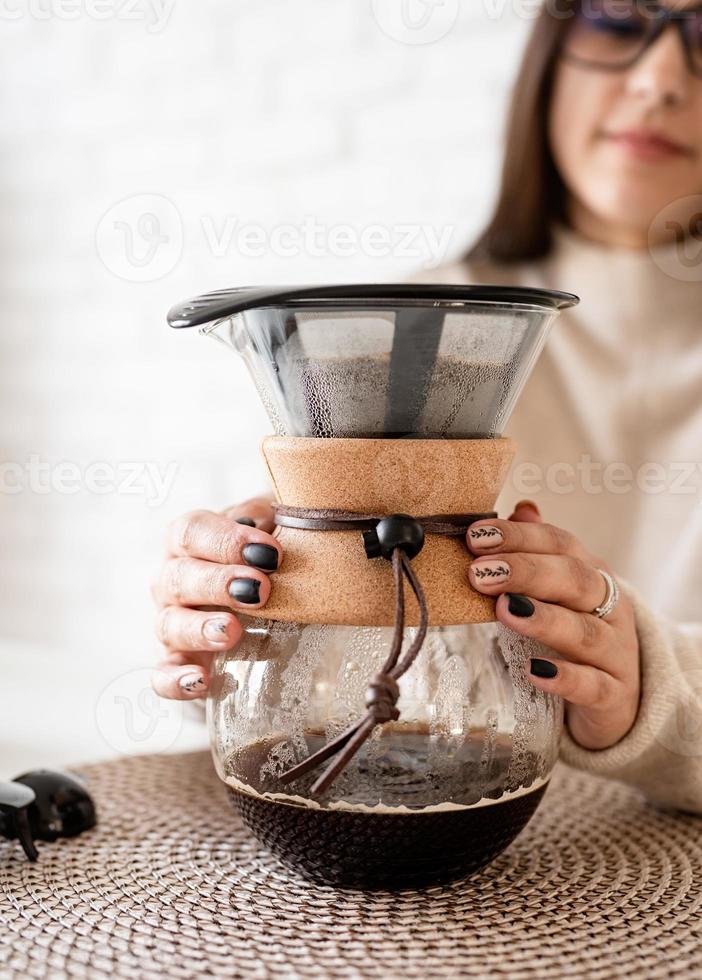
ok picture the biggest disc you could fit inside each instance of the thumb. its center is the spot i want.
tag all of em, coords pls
(528, 512)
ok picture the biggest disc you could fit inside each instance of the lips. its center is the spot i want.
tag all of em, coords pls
(647, 145)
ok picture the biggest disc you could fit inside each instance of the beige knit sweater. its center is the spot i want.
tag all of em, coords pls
(609, 432)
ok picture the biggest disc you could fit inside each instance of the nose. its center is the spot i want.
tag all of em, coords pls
(662, 77)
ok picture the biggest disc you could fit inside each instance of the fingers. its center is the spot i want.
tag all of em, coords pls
(217, 538)
(180, 681)
(215, 560)
(488, 537)
(184, 629)
(257, 509)
(526, 510)
(192, 582)
(580, 637)
(564, 579)
(579, 684)
(600, 708)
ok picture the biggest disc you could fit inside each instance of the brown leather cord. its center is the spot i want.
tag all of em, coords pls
(306, 519)
(383, 691)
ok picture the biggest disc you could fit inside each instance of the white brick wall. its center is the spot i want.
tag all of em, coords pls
(264, 110)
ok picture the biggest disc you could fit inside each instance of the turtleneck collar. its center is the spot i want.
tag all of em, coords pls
(566, 238)
(641, 297)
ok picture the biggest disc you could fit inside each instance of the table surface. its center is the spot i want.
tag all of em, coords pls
(171, 883)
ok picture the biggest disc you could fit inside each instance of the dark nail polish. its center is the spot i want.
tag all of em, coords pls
(543, 668)
(519, 605)
(261, 556)
(245, 520)
(245, 590)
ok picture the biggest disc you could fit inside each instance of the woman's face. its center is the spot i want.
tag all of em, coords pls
(628, 144)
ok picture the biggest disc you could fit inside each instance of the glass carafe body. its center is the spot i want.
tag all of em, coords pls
(428, 798)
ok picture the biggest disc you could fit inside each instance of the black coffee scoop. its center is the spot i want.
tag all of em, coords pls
(44, 805)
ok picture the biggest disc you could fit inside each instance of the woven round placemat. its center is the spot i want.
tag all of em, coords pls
(170, 883)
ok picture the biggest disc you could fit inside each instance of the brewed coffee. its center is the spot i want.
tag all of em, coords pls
(405, 840)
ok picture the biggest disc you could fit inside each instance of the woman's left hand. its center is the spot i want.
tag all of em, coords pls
(547, 584)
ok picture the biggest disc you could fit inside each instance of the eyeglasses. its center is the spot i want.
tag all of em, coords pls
(612, 35)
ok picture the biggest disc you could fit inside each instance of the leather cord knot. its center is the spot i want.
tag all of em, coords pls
(397, 538)
(382, 696)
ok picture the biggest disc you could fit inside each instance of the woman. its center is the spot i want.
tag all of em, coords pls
(600, 195)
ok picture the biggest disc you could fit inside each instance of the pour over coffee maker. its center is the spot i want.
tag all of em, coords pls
(375, 725)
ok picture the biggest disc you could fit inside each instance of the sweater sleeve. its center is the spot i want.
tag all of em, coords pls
(662, 753)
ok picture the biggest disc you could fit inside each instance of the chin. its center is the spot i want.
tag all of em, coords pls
(630, 203)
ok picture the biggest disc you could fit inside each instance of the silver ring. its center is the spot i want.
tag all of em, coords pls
(610, 600)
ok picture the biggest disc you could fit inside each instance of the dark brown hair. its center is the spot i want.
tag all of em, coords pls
(531, 195)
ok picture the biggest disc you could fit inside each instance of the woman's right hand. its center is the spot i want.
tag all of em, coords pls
(216, 565)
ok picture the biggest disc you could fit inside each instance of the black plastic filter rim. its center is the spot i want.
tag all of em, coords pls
(224, 303)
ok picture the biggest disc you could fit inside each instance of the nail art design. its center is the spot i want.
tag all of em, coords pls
(192, 683)
(519, 605)
(246, 521)
(245, 590)
(494, 571)
(543, 668)
(216, 630)
(486, 536)
(261, 556)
